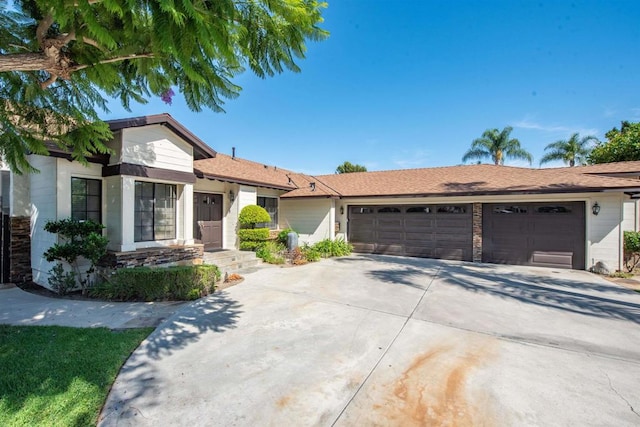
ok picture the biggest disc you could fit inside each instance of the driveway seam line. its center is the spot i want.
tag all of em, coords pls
(375, 366)
(532, 343)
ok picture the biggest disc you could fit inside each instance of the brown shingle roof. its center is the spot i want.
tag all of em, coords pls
(604, 168)
(235, 169)
(465, 180)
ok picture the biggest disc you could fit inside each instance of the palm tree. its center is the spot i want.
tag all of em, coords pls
(497, 145)
(573, 150)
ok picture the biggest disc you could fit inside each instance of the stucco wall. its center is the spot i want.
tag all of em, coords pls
(604, 240)
(155, 146)
(43, 208)
(312, 219)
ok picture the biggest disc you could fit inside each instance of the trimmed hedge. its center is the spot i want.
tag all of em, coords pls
(248, 245)
(253, 214)
(253, 234)
(158, 284)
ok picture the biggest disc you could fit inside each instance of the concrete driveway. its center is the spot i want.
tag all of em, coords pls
(374, 340)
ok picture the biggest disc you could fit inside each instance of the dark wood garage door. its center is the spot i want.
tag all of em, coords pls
(427, 231)
(541, 234)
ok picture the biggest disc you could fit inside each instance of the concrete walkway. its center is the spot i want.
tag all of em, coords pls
(18, 307)
(373, 340)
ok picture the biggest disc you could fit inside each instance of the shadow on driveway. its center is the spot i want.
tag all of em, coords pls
(551, 291)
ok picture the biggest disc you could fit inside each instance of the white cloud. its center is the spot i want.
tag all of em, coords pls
(412, 159)
(556, 130)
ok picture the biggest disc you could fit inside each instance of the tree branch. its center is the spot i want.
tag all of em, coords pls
(51, 80)
(43, 27)
(91, 42)
(111, 60)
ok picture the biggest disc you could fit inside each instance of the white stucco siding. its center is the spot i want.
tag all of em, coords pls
(629, 215)
(113, 214)
(311, 218)
(604, 235)
(247, 196)
(43, 208)
(156, 146)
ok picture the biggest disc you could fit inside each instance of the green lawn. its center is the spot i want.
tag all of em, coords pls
(56, 376)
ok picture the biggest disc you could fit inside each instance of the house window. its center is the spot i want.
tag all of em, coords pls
(86, 199)
(155, 211)
(452, 209)
(360, 210)
(270, 204)
(419, 210)
(389, 210)
(509, 209)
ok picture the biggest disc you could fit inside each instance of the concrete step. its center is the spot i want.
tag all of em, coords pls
(229, 261)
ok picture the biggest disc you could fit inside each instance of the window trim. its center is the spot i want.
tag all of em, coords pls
(136, 211)
(86, 196)
(273, 225)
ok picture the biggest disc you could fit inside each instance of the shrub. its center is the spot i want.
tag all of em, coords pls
(271, 252)
(251, 215)
(60, 280)
(158, 284)
(311, 254)
(298, 257)
(283, 235)
(250, 245)
(331, 248)
(79, 239)
(253, 234)
(631, 250)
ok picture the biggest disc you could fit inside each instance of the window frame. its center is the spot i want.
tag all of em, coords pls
(87, 196)
(273, 225)
(139, 234)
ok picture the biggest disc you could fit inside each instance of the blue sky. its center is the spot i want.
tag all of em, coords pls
(407, 84)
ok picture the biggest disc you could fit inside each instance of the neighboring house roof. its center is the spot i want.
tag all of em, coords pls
(200, 149)
(611, 168)
(466, 180)
(234, 169)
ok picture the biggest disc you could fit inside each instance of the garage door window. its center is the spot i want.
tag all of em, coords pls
(553, 209)
(452, 209)
(389, 210)
(509, 210)
(419, 210)
(359, 210)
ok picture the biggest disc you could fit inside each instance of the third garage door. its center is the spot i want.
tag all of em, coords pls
(541, 234)
(428, 231)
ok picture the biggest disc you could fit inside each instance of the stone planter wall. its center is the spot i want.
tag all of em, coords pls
(158, 256)
(477, 232)
(20, 249)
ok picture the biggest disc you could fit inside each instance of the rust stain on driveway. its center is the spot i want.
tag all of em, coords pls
(434, 389)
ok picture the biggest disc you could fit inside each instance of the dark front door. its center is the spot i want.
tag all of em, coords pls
(207, 219)
(541, 234)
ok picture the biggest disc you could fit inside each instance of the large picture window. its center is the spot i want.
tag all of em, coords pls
(86, 199)
(155, 211)
(270, 204)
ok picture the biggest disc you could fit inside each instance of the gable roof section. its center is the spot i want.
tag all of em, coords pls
(466, 180)
(200, 149)
(234, 169)
(611, 168)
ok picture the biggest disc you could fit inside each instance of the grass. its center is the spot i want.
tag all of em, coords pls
(58, 376)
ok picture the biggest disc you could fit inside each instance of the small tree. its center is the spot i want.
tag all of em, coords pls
(621, 146)
(251, 238)
(348, 167)
(81, 239)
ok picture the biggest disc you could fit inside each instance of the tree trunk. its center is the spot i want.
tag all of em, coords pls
(572, 162)
(26, 62)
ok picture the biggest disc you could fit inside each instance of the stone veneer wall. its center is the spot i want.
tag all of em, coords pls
(20, 249)
(165, 255)
(477, 232)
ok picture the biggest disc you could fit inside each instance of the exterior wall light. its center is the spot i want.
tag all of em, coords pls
(341, 210)
(232, 196)
(595, 208)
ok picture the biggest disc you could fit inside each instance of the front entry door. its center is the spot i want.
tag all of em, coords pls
(207, 219)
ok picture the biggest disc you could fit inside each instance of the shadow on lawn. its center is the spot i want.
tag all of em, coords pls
(589, 296)
(138, 378)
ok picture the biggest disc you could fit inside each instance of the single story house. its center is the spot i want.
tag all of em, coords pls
(165, 196)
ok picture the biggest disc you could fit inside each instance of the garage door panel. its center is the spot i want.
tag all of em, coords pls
(543, 234)
(364, 248)
(413, 230)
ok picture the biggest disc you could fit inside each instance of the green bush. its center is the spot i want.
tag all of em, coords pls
(158, 284)
(271, 252)
(631, 249)
(311, 254)
(282, 236)
(253, 234)
(332, 248)
(250, 245)
(252, 215)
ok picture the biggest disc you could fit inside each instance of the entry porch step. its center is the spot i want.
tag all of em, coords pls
(232, 261)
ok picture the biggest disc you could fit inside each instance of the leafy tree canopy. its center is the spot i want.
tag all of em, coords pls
(621, 145)
(573, 151)
(348, 167)
(59, 58)
(497, 145)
